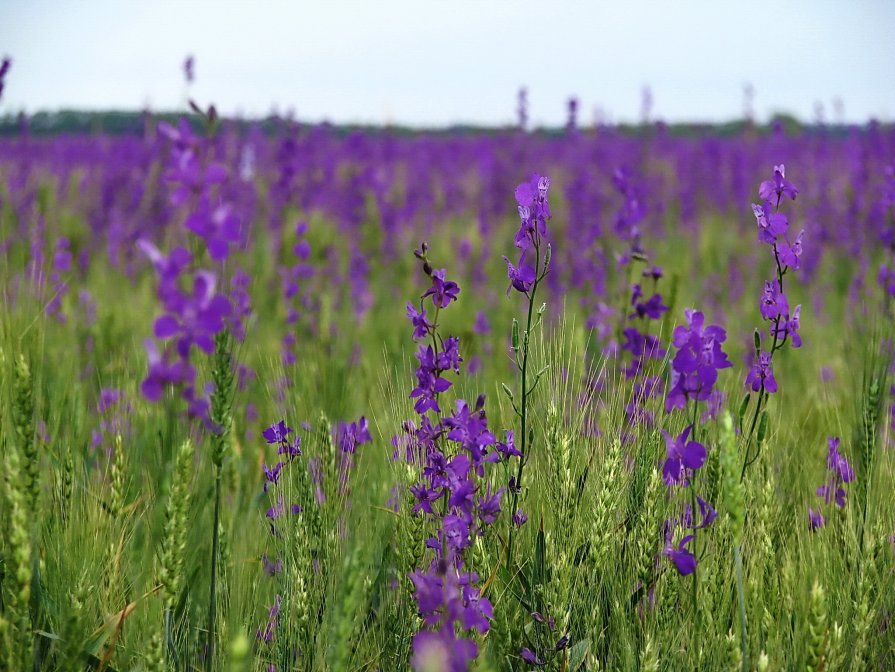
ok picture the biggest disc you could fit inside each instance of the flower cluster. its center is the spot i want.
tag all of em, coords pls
(773, 230)
(193, 180)
(278, 435)
(534, 212)
(643, 347)
(113, 412)
(449, 454)
(631, 213)
(683, 559)
(294, 291)
(62, 264)
(194, 310)
(694, 372)
(348, 436)
(839, 473)
(694, 369)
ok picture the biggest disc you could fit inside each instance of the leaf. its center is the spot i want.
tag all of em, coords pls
(743, 407)
(762, 427)
(577, 654)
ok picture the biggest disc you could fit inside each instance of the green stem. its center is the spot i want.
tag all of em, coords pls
(741, 598)
(524, 402)
(212, 606)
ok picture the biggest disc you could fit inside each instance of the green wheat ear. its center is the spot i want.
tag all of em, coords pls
(732, 490)
(16, 629)
(171, 566)
(23, 422)
(817, 630)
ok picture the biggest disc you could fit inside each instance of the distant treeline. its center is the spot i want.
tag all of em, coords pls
(75, 122)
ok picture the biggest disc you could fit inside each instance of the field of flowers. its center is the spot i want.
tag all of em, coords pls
(316, 399)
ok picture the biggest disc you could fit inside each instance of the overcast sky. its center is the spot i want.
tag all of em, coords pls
(435, 62)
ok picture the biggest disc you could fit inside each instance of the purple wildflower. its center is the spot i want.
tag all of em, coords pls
(682, 455)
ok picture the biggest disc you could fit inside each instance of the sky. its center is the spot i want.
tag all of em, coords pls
(439, 62)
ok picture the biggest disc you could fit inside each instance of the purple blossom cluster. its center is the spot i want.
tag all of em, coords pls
(630, 214)
(113, 411)
(62, 265)
(534, 213)
(773, 230)
(298, 299)
(683, 558)
(839, 472)
(289, 449)
(695, 366)
(643, 347)
(694, 373)
(450, 453)
(194, 310)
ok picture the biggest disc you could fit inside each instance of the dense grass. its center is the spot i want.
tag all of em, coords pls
(107, 544)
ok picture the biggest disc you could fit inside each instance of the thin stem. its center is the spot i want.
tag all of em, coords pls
(212, 606)
(696, 613)
(524, 402)
(741, 598)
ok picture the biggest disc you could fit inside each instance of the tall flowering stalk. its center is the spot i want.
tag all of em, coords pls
(525, 276)
(5, 65)
(449, 453)
(840, 473)
(694, 373)
(194, 311)
(773, 230)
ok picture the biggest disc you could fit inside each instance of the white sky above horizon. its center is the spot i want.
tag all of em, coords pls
(434, 62)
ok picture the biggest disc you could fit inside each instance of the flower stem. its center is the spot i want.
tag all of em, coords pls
(523, 406)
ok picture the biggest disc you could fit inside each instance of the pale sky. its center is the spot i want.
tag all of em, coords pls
(437, 62)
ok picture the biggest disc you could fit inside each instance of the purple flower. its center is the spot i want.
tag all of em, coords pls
(273, 619)
(194, 318)
(421, 325)
(695, 366)
(841, 473)
(761, 375)
(164, 372)
(521, 278)
(815, 519)
(271, 567)
(788, 327)
(272, 475)
(707, 512)
(682, 455)
(531, 658)
(277, 432)
(652, 308)
(773, 301)
(534, 211)
(684, 561)
(789, 253)
(442, 291)
(777, 186)
(837, 463)
(771, 224)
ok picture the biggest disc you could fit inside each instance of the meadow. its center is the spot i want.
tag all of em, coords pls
(308, 398)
